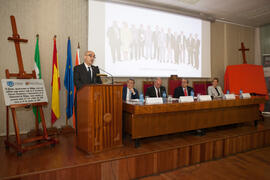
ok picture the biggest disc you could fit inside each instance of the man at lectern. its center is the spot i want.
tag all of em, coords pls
(183, 90)
(86, 73)
(157, 90)
(129, 92)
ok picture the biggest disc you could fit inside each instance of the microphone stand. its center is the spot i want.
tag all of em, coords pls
(108, 74)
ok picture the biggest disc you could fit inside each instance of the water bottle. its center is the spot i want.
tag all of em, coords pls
(228, 92)
(198, 97)
(192, 93)
(164, 97)
(240, 93)
(141, 98)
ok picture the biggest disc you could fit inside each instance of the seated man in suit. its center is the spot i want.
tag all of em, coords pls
(215, 91)
(85, 73)
(183, 90)
(129, 92)
(157, 90)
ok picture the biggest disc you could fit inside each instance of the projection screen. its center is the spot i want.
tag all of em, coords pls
(132, 41)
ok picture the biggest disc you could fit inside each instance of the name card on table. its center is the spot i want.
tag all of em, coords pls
(204, 98)
(157, 100)
(245, 96)
(229, 96)
(186, 99)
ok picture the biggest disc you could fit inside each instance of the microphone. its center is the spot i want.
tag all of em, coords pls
(101, 75)
(106, 73)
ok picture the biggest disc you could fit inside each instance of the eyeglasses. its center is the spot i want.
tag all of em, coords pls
(90, 55)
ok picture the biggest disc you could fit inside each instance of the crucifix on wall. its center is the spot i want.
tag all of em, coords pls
(243, 49)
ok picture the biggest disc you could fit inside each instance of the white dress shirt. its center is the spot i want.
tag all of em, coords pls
(157, 91)
(128, 97)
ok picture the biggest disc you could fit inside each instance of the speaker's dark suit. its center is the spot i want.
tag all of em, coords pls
(151, 92)
(81, 78)
(133, 96)
(179, 91)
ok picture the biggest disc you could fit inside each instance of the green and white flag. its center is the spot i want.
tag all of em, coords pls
(38, 74)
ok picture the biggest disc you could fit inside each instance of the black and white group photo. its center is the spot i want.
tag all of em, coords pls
(142, 42)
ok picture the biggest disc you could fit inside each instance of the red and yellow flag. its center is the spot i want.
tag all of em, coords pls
(77, 62)
(55, 107)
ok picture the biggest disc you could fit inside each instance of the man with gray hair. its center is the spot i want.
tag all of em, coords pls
(157, 90)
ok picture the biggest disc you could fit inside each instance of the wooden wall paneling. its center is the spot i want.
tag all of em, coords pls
(127, 168)
(154, 162)
(91, 171)
(207, 150)
(267, 138)
(110, 170)
(261, 139)
(167, 160)
(183, 156)
(230, 146)
(254, 140)
(219, 148)
(240, 144)
(195, 152)
(144, 165)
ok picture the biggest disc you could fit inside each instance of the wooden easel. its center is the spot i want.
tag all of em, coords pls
(41, 140)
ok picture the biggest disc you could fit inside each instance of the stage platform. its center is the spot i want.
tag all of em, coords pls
(155, 155)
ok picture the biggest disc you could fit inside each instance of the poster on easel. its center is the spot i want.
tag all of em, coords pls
(23, 91)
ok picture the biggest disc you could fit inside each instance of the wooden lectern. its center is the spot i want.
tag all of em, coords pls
(99, 117)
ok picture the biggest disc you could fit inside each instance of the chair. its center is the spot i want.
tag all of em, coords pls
(147, 84)
(200, 87)
(173, 82)
(124, 83)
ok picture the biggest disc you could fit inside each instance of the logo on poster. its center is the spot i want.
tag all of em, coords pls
(10, 83)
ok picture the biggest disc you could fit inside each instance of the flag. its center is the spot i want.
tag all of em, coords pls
(77, 62)
(68, 82)
(38, 74)
(55, 107)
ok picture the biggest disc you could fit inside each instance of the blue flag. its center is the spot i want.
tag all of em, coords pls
(69, 82)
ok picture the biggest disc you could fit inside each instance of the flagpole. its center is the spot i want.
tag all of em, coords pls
(37, 111)
(66, 107)
(66, 96)
(54, 38)
(53, 130)
(77, 62)
(67, 128)
(36, 131)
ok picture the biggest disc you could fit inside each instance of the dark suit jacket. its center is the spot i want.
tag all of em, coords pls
(179, 91)
(81, 76)
(151, 92)
(135, 96)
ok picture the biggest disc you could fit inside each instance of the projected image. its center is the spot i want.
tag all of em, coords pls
(140, 42)
(144, 43)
